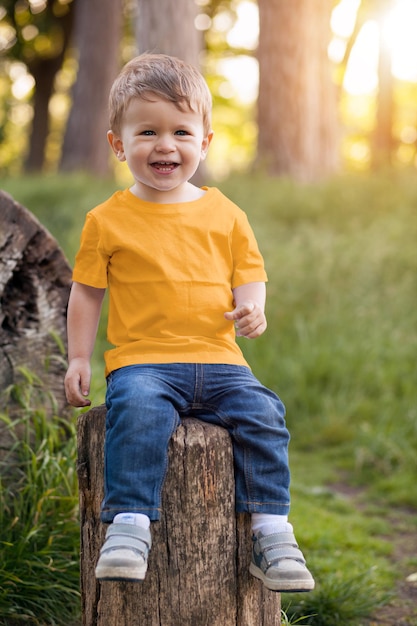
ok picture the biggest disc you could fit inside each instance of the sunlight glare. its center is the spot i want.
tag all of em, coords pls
(241, 73)
(362, 69)
(400, 33)
(343, 18)
(245, 32)
(22, 86)
(361, 75)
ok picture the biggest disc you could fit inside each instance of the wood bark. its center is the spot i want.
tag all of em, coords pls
(35, 280)
(198, 566)
(297, 107)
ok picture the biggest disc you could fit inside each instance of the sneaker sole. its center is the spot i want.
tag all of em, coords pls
(110, 572)
(295, 586)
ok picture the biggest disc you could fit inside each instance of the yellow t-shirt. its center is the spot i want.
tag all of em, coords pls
(170, 269)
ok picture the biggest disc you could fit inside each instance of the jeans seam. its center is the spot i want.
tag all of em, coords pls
(198, 384)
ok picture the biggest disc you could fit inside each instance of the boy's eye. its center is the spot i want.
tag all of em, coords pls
(182, 133)
(147, 133)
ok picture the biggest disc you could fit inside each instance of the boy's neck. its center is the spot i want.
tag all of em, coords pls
(184, 193)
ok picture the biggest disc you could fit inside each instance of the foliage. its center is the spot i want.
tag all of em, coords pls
(39, 548)
(287, 619)
(33, 34)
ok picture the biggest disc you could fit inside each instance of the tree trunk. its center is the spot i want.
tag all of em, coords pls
(44, 74)
(44, 71)
(168, 27)
(35, 280)
(198, 566)
(97, 31)
(383, 141)
(297, 109)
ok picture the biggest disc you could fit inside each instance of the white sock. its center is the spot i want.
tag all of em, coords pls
(269, 524)
(136, 519)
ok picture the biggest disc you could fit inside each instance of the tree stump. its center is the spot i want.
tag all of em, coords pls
(198, 566)
(35, 280)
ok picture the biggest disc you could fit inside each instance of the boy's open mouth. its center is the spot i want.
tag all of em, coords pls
(164, 166)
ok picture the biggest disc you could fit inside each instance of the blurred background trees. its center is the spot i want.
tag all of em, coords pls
(97, 36)
(297, 106)
(34, 40)
(300, 88)
(169, 27)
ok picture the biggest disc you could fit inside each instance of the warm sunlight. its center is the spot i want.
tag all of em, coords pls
(361, 76)
(398, 33)
(362, 69)
(241, 71)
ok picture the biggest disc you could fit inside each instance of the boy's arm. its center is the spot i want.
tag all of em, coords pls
(248, 314)
(84, 308)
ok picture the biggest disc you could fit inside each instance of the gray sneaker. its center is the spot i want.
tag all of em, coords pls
(279, 563)
(124, 555)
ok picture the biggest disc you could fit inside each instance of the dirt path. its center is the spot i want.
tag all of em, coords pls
(402, 610)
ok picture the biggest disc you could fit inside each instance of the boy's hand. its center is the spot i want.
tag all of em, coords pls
(249, 318)
(77, 382)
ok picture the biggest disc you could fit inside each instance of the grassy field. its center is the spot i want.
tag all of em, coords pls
(340, 350)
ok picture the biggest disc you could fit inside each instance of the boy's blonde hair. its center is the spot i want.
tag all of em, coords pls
(164, 76)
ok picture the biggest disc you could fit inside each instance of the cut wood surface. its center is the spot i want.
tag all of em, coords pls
(198, 566)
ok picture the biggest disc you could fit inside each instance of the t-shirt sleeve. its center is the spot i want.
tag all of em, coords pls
(91, 260)
(248, 264)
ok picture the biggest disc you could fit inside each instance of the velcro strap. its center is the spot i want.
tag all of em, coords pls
(283, 552)
(277, 539)
(129, 530)
(126, 543)
(128, 536)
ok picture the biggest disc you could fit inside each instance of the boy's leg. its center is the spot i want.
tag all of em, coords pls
(140, 422)
(255, 419)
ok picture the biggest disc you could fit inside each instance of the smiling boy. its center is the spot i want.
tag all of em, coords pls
(185, 276)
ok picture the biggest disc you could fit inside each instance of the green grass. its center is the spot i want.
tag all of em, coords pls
(342, 601)
(340, 350)
(342, 335)
(39, 546)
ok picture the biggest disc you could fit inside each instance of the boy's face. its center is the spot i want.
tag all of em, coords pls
(163, 147)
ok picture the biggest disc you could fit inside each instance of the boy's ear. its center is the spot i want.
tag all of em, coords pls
(116, 145)
(205, 144)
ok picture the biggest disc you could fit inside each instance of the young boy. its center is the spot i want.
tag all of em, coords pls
(185, 276)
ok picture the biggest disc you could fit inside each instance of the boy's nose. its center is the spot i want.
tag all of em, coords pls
(165, 144)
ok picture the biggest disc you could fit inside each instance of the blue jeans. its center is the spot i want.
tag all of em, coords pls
(145, 404)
